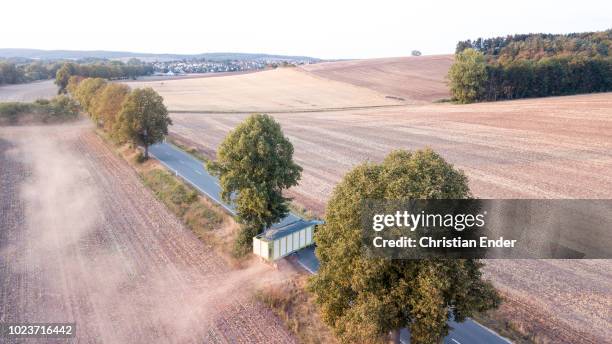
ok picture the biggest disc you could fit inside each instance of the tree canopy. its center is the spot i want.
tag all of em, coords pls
(468, 76)
(143, 118)
(255, 164)
(536, 46)
(108, 103)
(86, 93)
(101, 69)
(363, 298)
(535, 65)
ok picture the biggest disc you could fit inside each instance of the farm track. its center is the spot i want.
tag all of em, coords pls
(557, 147)
(82, 240)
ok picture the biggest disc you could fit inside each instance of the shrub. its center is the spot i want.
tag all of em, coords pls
(58, 109)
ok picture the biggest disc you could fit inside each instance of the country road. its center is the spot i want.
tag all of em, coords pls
(193, 171)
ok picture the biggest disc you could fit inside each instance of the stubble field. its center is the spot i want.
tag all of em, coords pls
(28, 92)
(83, 241)
(282, 89)
(536, 148)
(541, 148)
(416, 79)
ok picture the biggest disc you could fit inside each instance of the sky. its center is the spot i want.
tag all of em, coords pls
(327, 29)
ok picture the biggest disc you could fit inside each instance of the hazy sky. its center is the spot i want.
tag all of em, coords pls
(319, 28)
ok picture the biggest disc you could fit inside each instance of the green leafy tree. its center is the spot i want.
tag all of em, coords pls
(143, 119)
(255, 163)
(468, 76)
(364, 299)
(63, 76)
(10, 74)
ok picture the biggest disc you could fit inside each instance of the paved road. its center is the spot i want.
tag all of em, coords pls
(193, 171)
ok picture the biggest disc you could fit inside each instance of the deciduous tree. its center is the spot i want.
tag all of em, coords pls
(143, 119)
(109, 102)
(63, 76)
(255, 164)
(364, 299)
(468, 76)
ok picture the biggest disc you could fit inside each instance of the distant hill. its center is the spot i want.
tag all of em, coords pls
(121, 55)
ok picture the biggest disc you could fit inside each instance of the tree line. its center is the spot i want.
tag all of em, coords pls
(13, 73)
(137, 116)
(105, 70)
(534, 65)
(538, 46)
(59, 109)
(18, 72)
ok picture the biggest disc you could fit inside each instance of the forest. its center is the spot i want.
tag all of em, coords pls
(25, 70)
(532, 65)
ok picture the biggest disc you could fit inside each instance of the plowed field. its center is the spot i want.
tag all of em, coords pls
(81, 240)
(415, 79)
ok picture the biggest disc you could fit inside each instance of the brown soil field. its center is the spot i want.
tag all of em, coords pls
(557, 147)
(282, 89)
(420, 78)
(82, 240)
(28, 92)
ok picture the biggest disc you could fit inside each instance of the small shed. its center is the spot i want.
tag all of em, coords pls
(285, 238)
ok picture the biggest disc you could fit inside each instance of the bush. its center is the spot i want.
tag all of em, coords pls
(244, 240)
(58, 109)
(140, 158)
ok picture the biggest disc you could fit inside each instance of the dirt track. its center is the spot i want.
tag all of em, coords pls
(82, 240)
(536, 148)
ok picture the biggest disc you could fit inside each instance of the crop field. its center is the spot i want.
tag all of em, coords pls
(83, 241)
(508, 149)
(28, 92)
(415, 79)
(536, 148)
(283, 89)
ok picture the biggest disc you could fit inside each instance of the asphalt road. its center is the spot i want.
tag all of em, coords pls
(193, 172)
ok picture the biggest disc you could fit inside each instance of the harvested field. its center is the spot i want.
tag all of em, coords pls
(420, 79)
(186, 76)
(283, 89)
(540, 148)
(83, 241)
(567, 300)
(28, 92)
(537, 148)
